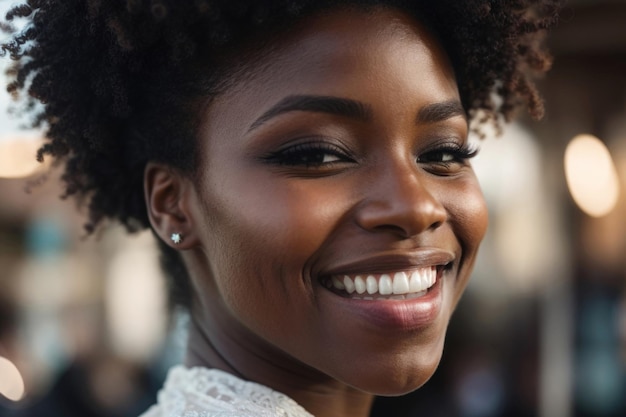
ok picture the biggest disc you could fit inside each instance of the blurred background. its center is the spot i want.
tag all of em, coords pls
(541, 331)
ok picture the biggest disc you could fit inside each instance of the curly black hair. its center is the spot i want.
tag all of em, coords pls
(122, 82)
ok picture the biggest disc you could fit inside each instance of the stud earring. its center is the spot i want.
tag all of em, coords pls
(176, 238)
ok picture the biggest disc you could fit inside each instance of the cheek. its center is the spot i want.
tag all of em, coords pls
(468, 218)
(263, 234)
(468, 215)
(279, 222)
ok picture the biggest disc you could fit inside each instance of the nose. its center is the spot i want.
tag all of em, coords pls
(399, 201)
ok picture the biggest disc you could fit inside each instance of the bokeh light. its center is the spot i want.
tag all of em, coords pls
(18, 156)
(591, 175)
(136, 300)
(11, 382)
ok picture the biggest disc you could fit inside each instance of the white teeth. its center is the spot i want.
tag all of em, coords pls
(426, 278)
(338, 284)
(422, 280)
(385, 286)
(415, 283)
(348, 284)
(400, 283)
(372, 284)
(359, 284)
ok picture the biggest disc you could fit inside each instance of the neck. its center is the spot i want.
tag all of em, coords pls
(212, 346)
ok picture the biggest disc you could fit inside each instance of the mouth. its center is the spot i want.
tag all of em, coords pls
(393, 285)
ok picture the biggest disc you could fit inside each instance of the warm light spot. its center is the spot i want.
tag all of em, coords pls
(11, 382)
(18, 156)
(136, 300)
(591, 175)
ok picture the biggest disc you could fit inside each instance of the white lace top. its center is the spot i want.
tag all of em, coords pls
(202, 392)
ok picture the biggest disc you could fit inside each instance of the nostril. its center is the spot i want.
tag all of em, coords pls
(436, 225)
(405, 217)
(393, 229)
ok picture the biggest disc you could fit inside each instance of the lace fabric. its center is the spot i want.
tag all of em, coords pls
(203, 392)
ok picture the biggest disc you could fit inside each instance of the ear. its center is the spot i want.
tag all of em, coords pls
(168, 196)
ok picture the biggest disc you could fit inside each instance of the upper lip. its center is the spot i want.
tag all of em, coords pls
(393, 261)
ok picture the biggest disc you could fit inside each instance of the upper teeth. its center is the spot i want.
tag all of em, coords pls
(385, 284)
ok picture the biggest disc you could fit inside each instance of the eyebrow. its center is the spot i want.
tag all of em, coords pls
(438, 112)
(431, 113)
(321, 104)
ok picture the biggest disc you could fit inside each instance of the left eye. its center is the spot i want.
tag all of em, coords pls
(447, 159)
(442, 157)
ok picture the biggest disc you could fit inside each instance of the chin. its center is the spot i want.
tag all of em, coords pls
(400, 386)
(397, 377)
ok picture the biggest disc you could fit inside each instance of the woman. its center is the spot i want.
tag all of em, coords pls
(304, 165)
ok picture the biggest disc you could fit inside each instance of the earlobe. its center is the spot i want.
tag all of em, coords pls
(167, 194)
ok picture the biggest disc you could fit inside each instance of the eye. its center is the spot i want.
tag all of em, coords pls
(310, 155)
(447, 158)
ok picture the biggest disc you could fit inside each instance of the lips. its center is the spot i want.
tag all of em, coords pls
(392, 276)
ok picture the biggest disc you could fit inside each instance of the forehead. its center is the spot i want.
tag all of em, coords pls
(339, 39)
(349, 53)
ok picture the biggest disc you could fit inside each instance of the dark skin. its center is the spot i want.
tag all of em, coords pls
(342, 153)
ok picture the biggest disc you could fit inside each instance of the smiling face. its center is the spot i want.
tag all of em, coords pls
(337, 214)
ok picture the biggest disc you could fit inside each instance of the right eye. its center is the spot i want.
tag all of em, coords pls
(310, 155)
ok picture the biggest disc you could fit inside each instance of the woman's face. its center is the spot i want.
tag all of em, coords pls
(337, 213)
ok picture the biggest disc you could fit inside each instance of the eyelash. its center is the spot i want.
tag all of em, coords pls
(460, 154)
(313, 154)
(304, 155)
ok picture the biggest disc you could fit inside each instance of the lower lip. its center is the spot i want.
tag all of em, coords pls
(411, 314)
